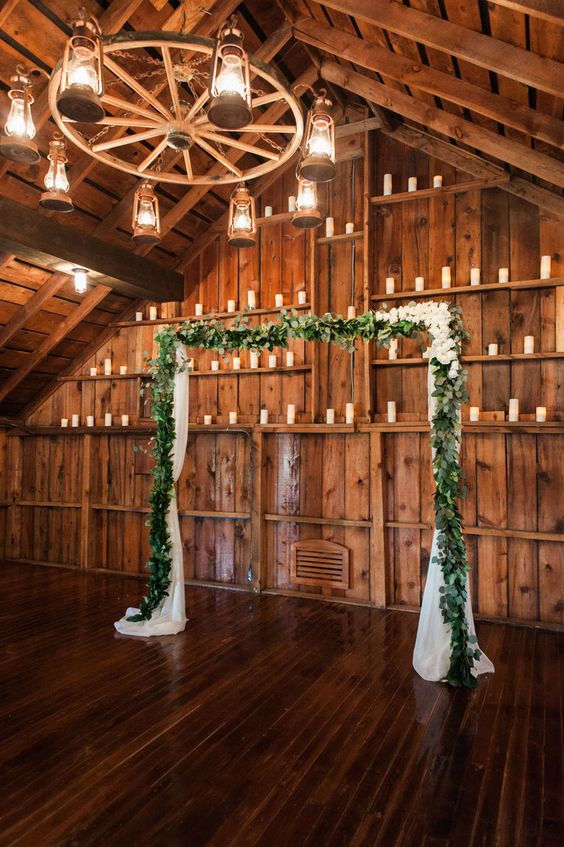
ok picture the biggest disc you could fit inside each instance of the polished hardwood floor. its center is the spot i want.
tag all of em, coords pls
(270, 721)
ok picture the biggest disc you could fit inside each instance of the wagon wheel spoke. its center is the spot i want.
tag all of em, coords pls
(137, 87)
(154, 154)
(241, 145)
(215, 154)
(128, 139)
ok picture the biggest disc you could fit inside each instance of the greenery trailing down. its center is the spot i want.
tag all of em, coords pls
(381, 327)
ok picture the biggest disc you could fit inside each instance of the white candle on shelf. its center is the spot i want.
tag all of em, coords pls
(329, 227)
(393, 350)
(89, 420)
(351, 312)
(75, 419)
(529, 344)
(232, 417)
(214, 365)
(251, 299)
(289, 359)
(272, 360)
(474, 413)
(349, 413)
(427, 353)
(152, 313)
(278, 300)
(445, 277)
(419, 283)
(390, 285)
(474, 276)
(123, 369)
(330, 416)
(291, 413)
(513, 409)
(207, 420)
(254, 358)
(64, 422)
(190, 365)
(107, 367)
(503, 275)
(231, 305)
(199, 309)
(302, 298)
(387, 183)
(236, 363)
(545, 267)
(268, 211)
(93, 371)
(437, 181)
(264, 416)
(412, 183)
(540, 414)
(291, 203)
(349, 227)
(391, 411)
(138, 316)
(125, 420)
(492, 349)
(108, 419)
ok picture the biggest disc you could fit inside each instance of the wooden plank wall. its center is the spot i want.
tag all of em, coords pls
(246, 495)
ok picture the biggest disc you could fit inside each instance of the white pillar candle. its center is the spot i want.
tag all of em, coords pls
(199, 310)
(107, 367)
(427, 352)
(108, 419)
(291, 413)
(437, 181)
(268, 211)
(351, 312)
(387, 183)
(330, 416)
(251, 298)
(123, 369)
(492, 349)
(302, 298)
(190, 365)
(214, 365)
(232, 417)
(503, 275)
(412, 183)
(289, 358)
(349, 413)
(419, 283)
(89, 420)
(207, 420)
(529, 344)
(64, 422)
(272, 361)
(474, 276)
(445, 277)
(513, 409)
(231, 305)
(329, 227)
(393, 351)
(278, 300)
(152, 313)
(138, 316)
(474, 413)
(264, 416)
(291, 203)
(391, 411)
(540, 414)
(125, 420)
(236, 363)
(254, 359)
(545, 267)
(75, 419)
(349, 227)
(390, 285)
(93, 371)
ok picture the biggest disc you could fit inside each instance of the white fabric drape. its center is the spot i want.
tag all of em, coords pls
(431, 655)
(170, 617)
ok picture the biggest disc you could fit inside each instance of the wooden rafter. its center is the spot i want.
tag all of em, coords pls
(482, 50)
(546, 10)
(453, 126)
(33, 305)
(90, 301)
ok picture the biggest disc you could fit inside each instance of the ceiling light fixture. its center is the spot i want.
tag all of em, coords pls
(242, 226)
(318, 162)
(146, 220)
(307, 213)
(230, 86)
(56, 198)
(80, 280)
(18, 145)
(81, 85)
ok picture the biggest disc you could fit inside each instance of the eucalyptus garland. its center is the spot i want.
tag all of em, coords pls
(444, 326)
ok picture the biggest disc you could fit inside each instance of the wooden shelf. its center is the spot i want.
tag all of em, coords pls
(230, 372)
(102, 377)
(344, 236)
(305, 428)
(299, 307)
(469, 289)
(134, 429)
(550, 427)
(508, 357)
(424, 193)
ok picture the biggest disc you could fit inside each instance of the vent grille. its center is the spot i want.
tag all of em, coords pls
(318, 562)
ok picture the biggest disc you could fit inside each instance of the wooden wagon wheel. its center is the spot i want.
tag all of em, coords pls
(150, 130)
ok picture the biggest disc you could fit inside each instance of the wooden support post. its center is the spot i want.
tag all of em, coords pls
(258, 506)
(14, 528)
(314, 300)
(366, 269)
(378, 548)
(85, 502)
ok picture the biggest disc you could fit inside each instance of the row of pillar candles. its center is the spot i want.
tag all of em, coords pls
(90, 420)
(446, 276)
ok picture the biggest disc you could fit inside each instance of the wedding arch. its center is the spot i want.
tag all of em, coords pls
(446, 648)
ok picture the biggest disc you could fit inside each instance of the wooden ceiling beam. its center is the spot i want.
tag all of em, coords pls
(90, 301)
(33, 305)
(455, 127)
(417, 75)
(547, 10)
(48, 243)
(482, 50)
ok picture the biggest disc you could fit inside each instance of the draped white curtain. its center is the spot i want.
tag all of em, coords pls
(431, 655)
(170, 617)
